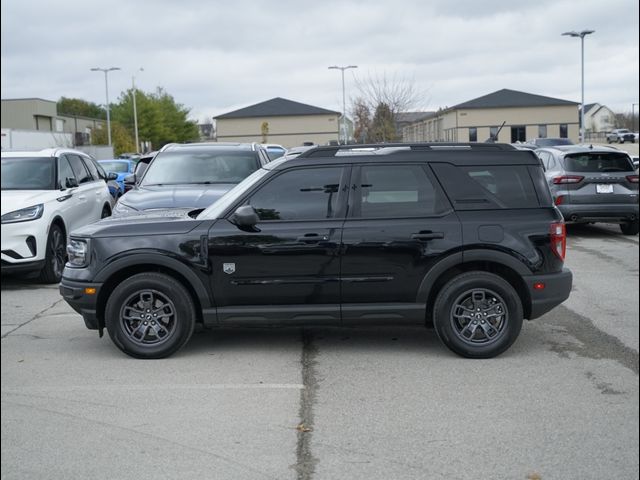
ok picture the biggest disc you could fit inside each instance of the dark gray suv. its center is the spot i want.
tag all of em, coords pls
(593, 184)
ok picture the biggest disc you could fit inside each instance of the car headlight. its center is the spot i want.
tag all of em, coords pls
(24, 214)
(78, 252)
(123, 209)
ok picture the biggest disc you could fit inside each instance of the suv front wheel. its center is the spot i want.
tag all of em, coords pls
(478, 315)
(150, 315)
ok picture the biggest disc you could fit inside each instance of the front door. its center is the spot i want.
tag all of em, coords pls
(400, 223)
(289, 268)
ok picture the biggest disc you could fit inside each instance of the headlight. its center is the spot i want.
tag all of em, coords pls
(24, 214)
(78, 250)
(123, 209)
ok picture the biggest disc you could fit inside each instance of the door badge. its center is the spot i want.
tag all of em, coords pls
(229, 268)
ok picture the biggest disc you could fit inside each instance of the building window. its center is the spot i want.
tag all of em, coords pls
(473, 134)
(542, 131)
(493, 133)
(564, 130)
(518, 133)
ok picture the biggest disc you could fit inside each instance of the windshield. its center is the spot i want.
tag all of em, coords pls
(200, 167)
(219, 206)
(117, 167)
(598, 162)
(28, 173)
(275, 152)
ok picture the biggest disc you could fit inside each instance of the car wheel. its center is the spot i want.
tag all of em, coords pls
(55, 257)
(630, 228)
(478, 315)
(150, 315)
(106, 212)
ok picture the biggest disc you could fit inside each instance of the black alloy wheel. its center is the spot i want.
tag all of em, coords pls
(55, 257)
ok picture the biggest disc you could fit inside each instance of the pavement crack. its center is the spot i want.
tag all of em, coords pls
(305, 461)
(35, 317)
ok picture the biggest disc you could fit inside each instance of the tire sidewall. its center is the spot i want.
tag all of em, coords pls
(457, 286)
(170, 288)
(47, 274)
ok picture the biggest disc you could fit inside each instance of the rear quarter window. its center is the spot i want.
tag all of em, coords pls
(486, 187)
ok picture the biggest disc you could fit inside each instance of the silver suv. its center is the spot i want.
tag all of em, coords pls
(593, 184)
(621, 135)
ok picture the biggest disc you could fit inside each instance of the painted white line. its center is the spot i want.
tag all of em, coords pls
(216, 386)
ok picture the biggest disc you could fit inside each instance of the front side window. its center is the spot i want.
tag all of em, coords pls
(92, 168)
(304, 194)
(64, 172)
(393, 191)
(79, 169)
(28, 174)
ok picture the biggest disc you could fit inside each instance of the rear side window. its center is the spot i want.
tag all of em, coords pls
(488, 186)
(598, 162)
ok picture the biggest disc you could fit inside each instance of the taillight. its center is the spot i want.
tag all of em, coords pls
(568, 179)
(632, 178)
(559, 239)
(559, 199)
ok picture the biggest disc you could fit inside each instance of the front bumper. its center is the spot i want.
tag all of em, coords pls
(557, 287)
(75, 294)
(24, 243)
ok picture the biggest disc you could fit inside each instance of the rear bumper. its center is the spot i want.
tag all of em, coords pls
(84, 303)
(557, 287)
(599, 213)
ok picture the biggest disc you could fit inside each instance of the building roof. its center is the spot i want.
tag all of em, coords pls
(506, 98)
(277, 107)
(410, 117)
(30, 99)
(589, 106)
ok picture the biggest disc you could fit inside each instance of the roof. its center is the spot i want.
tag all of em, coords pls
(410, 117)
(589, 106)
(29, 99)
(506, 98)
(277, 107)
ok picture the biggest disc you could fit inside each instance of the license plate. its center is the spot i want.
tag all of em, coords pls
(604, 188)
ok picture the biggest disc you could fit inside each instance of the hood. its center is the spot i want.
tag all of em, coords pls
(12, 200)
(175, 196)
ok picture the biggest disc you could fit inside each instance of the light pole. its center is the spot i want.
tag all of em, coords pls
(581, 34)
(135, 111)
(633, 116)
(106, 88)
(344, 113)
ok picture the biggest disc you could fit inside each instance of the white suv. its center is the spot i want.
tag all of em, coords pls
(45, 195)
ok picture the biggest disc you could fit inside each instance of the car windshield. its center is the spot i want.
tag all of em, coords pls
(117, 167)
(200, 167)
(33, 173)
(598, 162)
(550, 142)
(275, 152)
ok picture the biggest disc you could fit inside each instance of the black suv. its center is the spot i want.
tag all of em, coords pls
(464, 236)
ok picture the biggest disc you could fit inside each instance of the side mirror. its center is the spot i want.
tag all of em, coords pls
(245, 217)
(112, 176)
(71, 182)
(130, 179)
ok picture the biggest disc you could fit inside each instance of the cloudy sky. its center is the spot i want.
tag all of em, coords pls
(215, 56)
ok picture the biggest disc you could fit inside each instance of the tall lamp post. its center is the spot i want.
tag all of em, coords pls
(633, 116)
(135, 111)
(581, 35)
(106, 87)
(344, 113)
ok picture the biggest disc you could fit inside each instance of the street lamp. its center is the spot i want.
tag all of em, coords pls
(344, 113)
(106, 87)
(581, 34)
(633, 116)
(135, 111)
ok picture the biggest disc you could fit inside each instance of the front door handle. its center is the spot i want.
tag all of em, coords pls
(313, 237)
(427, 235)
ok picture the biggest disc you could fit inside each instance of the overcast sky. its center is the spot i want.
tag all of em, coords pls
(215, 56)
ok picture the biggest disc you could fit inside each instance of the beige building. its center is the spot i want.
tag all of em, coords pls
(525, 116)
(280, 121)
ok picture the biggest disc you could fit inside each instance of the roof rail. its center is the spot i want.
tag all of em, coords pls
(332, 150)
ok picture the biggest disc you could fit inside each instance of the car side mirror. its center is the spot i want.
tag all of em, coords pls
(71, 182)
(112, 176)
(246, 218)
(130, 179)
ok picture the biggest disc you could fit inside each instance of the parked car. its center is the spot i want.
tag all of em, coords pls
(274, 150)
(45, 195)
(621, 135)
(328, 239)
(593, 184)
(549, 142)
(120, 166)
(134, 157)
(190, 176)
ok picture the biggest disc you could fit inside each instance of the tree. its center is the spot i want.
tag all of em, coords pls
(79, 107)
(361, 120)
(383, 128)
(121, 139)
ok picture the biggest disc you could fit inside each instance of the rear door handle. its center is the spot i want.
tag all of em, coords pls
(427, 235)
(313, 237)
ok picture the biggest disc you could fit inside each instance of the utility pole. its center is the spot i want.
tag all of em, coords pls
(343, 129)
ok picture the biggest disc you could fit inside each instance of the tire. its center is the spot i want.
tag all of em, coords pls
(630, 228)
(150, 337)
(495, 302)
(609, 141)
(106, 212)
(55, 257)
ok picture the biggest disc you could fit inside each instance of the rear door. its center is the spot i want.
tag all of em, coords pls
(399, 224)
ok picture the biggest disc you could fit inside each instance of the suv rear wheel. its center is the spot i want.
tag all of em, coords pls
(150, 315)
(478, 315)
(630, 228)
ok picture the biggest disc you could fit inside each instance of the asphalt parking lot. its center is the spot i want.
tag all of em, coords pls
(322, 403)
